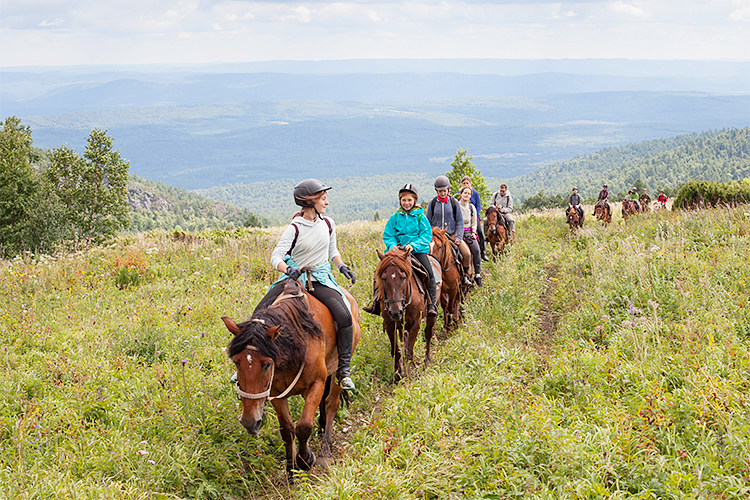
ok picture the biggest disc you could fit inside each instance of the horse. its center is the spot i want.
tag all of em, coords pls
(603, 213)
(451, 293)
(628, 209)
(286, 349)
(574, 220)
(496, 232)
(403, 306)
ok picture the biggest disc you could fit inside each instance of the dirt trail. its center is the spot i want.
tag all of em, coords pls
(543, 340)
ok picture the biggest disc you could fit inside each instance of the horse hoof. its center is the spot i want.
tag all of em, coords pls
(306, 463)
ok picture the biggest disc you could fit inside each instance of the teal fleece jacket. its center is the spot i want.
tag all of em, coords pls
(410, 227)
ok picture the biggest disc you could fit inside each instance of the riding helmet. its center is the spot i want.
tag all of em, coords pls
(575, 188)
(409, 188)
(442, 182)
(305, 190)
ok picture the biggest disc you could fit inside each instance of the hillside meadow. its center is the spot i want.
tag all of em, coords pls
(613, 362)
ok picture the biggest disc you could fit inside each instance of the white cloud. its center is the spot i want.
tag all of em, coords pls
(624, 8)
(54, 22)
(742, 14)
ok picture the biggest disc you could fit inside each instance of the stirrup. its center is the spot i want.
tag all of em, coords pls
(347, 384)
(432, 310)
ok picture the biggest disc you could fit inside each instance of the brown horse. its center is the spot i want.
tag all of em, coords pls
(496, 232)
(284, 350)
(628, 209)
(574, 220)
(451, 293)
(403, 306)
(603, 213)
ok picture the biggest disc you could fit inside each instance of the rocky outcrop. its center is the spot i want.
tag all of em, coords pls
(148, 200)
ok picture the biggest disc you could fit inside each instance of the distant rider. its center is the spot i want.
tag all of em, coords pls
(503, 201)
(477, 202)
(603, 199)
(409, 228)
(662, 199)
(644, 198)
(574, 201)
(443, 212)
(633, 196)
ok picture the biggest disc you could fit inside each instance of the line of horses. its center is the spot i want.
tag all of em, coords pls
(603, 213)
(289, 348)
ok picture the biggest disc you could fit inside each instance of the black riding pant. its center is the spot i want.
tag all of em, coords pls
(424, 259)
(331, 298)
(475, 255)
(480, 233)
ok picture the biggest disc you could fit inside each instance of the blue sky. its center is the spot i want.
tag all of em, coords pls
(59, 32)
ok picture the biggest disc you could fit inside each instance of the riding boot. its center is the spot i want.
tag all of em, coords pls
(432, 297)
(373, 308)
(465, 280)
(344, 345)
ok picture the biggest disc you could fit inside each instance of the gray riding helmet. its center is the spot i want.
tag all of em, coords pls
(304, 190)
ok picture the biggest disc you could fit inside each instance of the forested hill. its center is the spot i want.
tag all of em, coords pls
(721, 155)
(156, 205)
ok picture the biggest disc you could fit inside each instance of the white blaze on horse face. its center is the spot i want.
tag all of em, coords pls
(393, 276)
(432, 246)
(249, 361)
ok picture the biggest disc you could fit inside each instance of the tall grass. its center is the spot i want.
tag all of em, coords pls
(612, 363)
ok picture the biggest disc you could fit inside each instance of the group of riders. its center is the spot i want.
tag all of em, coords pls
(309, 243)
(641, 201)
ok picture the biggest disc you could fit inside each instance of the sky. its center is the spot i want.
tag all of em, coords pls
(75, 32)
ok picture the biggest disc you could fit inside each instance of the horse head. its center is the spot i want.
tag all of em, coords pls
(392, 278)
(492, 219)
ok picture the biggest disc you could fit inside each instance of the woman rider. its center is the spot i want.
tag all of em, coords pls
(408, 227)
(310, 241)
(469, 212)
(443, 212)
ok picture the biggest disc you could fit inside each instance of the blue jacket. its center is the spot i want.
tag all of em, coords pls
(445, 216)
(408, 227)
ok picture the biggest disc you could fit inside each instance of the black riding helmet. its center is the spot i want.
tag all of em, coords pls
(409, 188)
(442, 182)
(305, 190)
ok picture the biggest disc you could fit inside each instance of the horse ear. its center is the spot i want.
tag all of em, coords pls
(231, 325)
(380, 255)
(273, 332)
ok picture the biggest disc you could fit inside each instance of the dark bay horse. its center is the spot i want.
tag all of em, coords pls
(574, 219)
(451, 293)
(496, 232)
(628, 209)
(403, 306)
(284, 350)
(603, 213)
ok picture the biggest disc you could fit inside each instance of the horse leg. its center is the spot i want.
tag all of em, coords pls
(322, 406)
(305, 456)
(429, 331)
(390, 329)
(286, 427)
(329, 407)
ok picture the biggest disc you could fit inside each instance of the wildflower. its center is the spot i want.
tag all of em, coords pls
(183, 362)
(142, 452)
(152, 462)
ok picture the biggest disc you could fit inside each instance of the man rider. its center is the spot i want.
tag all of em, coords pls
(574, 201)
(644, 198)
(503, 201)
(603, 199)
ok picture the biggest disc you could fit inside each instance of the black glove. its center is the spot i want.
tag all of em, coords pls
(293, 272)
(348, 274)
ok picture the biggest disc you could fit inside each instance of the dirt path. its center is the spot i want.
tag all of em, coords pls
(542, 342)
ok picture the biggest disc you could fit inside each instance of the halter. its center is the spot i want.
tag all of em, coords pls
(402, 299)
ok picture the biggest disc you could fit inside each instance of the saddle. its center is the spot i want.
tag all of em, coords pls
(420, 273)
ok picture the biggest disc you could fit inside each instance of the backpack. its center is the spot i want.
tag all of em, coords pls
(454, 204)
(296, 234)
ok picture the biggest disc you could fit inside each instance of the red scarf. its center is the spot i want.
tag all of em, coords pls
(443, 200)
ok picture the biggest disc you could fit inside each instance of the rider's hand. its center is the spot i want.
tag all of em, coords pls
(458, 238)
(293, 272)
(348, 273)
(408, 247)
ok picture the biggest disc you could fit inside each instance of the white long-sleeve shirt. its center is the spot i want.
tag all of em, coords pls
(314, 245)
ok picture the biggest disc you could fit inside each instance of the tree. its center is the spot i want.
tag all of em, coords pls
(19, 184)
(92, 189)
(462, 165)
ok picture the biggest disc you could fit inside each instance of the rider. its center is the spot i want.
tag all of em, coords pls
(477, 202)
(443, 212)
(662, 199)
(310, 241)
(633, 195)
(503, 201)
(408, 227)
(469, 212)
(603, 199)
(644, 198)
(574, 201)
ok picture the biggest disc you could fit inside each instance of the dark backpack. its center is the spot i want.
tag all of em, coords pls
(296, 234)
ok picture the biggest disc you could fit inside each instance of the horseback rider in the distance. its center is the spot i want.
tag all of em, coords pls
(310, 241)
(603, 199)
(409, 228)
(575, 201)
(503, 202)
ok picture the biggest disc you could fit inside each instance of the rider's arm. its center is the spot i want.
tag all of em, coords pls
(282, 247)
(333, 250)
(425, 234)
(389, 233)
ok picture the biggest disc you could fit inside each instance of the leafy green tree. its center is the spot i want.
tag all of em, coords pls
(19, 187)
(462, 165)
(92, 189)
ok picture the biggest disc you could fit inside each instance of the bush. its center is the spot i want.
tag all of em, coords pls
(703, 194)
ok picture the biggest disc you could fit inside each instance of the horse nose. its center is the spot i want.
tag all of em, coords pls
(252, 426)
(396, 315)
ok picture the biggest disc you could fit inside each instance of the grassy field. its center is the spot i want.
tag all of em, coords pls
(613, 363)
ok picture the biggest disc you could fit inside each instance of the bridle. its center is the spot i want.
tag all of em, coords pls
(266, 395)
(442, 257)
(401, 300)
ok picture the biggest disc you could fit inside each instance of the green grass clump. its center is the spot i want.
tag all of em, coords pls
(610, 363)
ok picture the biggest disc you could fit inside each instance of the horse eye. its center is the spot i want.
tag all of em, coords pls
(266, 365)
(235, 362)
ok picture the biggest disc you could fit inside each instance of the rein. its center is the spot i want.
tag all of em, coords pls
(442, 257)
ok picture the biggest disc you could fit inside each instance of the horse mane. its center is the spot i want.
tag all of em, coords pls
(289, 348)
(447, 255)
(394, 257)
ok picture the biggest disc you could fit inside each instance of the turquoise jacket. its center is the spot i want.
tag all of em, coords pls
(410, 227)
